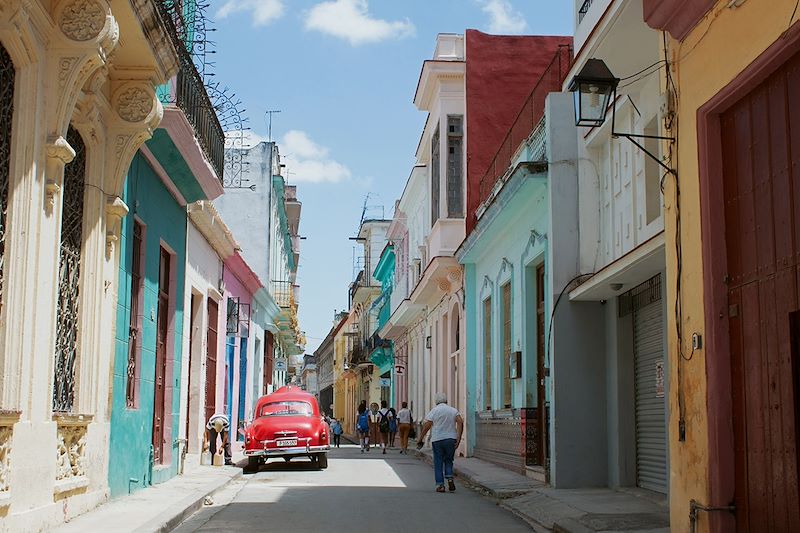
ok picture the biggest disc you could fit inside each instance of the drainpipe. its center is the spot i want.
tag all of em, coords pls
(130, 482)
(151, 465)
(695, 508)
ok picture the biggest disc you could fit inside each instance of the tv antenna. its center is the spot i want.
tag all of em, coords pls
(269, 126)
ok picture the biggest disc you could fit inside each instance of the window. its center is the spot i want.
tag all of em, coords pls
(455, 167)
(7, 74)
(435, 176)
(506, 345)
(487, 353)
(287, 408)
(134, 328)
(69, 270)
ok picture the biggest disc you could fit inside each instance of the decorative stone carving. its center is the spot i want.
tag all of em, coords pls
(115, 211)
(443, 285)
(70, 451)
(134, 104)
(58, 153)
(5, 457)
(82, 20)
(454, 275)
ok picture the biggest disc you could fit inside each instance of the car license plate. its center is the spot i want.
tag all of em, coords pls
(285, 443)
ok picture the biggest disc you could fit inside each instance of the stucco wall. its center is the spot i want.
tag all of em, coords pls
(723, 44)
(131, 429)
(501, 72)
(203, 271)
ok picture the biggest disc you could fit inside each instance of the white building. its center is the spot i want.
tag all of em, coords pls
(427, 228)
(608, 339)
(264, 214)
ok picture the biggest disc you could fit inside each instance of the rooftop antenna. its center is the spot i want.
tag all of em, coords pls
(269, 126)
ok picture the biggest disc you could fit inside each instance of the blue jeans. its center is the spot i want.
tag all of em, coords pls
(444, 452)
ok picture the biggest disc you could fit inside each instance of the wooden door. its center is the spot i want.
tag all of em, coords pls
(159, 402)
(211, 359)
(761, 181)
(269, 350)
(541, 397)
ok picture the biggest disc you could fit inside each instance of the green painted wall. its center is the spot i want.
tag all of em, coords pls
(131, 429)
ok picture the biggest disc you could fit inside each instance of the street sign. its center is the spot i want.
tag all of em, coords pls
(386, 382)
(399, 370)
(281, 365)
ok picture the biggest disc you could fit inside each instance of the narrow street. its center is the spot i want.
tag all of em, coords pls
(371, 492)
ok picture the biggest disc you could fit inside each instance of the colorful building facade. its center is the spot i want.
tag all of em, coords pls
(72, 122)
(732, 261)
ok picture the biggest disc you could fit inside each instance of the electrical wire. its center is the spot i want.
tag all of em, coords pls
(794, 12)
(659, 62)
(553, 312)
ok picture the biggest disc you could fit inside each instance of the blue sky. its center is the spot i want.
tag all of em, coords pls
(343, 74)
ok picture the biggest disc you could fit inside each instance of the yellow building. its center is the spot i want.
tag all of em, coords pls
(341, 409)
(733, 275)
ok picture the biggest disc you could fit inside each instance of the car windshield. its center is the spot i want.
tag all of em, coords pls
(286, 408)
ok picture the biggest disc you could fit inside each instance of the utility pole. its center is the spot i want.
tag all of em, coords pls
(270, 113)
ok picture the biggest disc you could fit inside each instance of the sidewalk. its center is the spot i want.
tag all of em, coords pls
(563, 510)
(159, 508)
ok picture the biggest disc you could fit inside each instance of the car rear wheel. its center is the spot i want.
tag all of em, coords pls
(322, 461)
(252, 465)
(287, 459)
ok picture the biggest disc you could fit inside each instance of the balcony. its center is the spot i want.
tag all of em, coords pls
(584, 9)
(187, 92)
(526, 124)
(362, 288)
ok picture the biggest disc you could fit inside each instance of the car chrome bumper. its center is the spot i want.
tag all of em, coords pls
(278, 452)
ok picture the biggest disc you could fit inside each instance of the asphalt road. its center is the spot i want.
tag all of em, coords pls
(357, 493)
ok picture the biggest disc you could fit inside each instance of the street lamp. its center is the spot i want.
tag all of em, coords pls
(593, 87)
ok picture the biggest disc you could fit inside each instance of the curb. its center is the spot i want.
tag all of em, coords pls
(498, 497)
(169, 520)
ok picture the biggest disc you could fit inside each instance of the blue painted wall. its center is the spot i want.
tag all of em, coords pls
(131, 428)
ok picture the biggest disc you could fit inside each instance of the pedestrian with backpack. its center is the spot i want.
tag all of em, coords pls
(385, 418)
(362, 427)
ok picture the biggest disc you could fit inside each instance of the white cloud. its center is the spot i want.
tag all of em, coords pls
(503, 18)
(263, 11)
(350, 20)
(310, 162)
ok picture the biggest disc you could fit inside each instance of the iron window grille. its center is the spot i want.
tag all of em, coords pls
(7, 75)
(69, 276)
(640, 296)
(237, 317)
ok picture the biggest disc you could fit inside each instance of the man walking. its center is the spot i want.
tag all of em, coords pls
(446, 427)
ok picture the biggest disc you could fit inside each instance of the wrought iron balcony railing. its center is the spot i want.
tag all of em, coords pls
(527, 120)
(188, 92)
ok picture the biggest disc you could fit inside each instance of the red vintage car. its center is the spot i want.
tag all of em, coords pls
(287, 424)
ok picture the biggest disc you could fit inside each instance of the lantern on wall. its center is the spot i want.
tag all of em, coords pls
(592, 89)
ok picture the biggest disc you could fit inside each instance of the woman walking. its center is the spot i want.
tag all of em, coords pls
(392, 427)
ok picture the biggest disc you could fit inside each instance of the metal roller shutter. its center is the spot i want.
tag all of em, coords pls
(651, 436)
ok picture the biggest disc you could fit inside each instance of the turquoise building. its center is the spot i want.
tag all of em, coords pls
(182, 163)
(382, 354)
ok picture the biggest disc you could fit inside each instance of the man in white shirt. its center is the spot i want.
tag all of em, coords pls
(385, 417)
(446, 427)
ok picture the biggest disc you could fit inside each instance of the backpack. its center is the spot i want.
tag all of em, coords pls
(363, 422)
(384, 423)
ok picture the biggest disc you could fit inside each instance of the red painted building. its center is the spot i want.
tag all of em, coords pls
(501, 74)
